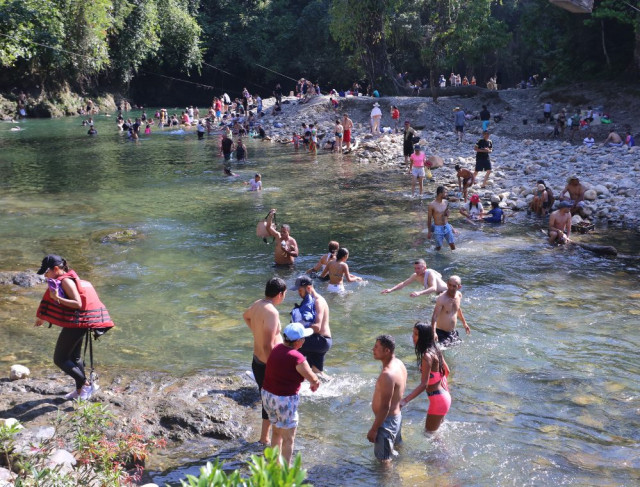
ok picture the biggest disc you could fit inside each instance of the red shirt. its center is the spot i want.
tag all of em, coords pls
(281, 377)
(395, 114)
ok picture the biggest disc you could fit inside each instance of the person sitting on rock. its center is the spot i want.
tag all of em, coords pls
(574, 194)
(540, 201)
(474, 211)
(628, 140)
(589, 141)
(613, 140)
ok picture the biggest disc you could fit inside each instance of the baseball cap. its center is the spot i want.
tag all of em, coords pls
(296, 331)
(303, 281)
(50, 261)
(564, 204)
(475, 198)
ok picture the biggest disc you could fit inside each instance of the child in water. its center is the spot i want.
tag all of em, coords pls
(295, 140)
(256, 183)
(496, 214)
(147, 130)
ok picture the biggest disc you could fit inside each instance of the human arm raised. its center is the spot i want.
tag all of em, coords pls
(400, 285)
(272, 231)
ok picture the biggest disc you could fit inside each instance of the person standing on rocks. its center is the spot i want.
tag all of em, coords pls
(459, 118)
(483, 148)
(560, 224)
(339, 136)
(437, 220)
(385, 431)
(286, 250)
(446, 313)
(286, 370)
(430, 279)
(376, 116)
(75, 306)
(547, 112)
(347, 125)
(263, 320)
(317, 345)
(485, 118)
(395, 117)
(408, 141)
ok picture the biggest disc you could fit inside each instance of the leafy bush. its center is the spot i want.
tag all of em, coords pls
(269, 470)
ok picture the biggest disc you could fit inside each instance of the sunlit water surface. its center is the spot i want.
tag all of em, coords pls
(545, 390)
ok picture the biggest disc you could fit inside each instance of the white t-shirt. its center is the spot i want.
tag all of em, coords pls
(255, 185)
(376, 112)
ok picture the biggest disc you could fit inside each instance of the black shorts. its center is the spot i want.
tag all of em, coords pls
(407, 150)
(483, 165)
(227, 157)
(459, 128)
(259, 368)
(448, 338)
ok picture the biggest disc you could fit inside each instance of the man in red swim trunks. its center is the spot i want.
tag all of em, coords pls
(347, 124)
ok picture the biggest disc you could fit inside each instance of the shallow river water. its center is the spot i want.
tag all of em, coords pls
(545, 390)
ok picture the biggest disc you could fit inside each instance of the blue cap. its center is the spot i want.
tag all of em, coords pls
(296, 331)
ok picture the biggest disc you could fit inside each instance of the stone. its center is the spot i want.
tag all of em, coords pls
(576, 219)
(19, 372)
(62, 459)
(436, 162)
(602, 189)
(6, 476)
(10, 422)
(590, 194)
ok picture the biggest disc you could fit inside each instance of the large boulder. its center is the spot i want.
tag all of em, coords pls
(590, 194)
(436, 161)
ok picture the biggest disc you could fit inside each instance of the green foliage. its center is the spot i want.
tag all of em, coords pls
(101, 460)
(269, 470)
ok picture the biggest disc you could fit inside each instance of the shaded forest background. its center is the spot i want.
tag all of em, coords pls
(187, 51)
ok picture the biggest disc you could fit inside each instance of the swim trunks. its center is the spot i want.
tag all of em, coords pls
(418, 172)
(448, 338)
(347, 136)
(315, 348)
(459, 128)
(441, 232)
(485, 125)
(259, 368)
(389, 434)
(336, 288)
(483, 165)
(282, 410)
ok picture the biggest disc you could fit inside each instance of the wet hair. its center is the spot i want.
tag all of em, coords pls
(457, 167)
(426, 343)
(275, 286)
(342, 252)
(387, 341)
(333, 247)
(440, 190)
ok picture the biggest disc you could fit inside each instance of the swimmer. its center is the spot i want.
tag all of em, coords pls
(337, 270)
(430, 279)
(325, 259)
(434, 372)
(256, 183)
(446, 313)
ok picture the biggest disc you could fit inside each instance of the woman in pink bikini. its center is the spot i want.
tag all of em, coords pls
(434, 372)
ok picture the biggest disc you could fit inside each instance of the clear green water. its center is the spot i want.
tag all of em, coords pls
(545, 390)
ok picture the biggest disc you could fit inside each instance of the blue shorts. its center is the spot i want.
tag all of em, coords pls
(485, 125)
(441, 232)
(389, 434)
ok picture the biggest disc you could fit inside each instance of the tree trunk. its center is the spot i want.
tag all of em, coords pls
(604, 45)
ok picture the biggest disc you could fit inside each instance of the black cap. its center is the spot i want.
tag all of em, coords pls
(303, 281)
(49, 262)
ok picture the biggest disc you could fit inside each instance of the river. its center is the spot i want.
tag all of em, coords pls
(545, 389)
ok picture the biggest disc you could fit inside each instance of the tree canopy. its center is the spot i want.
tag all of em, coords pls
(229, 44)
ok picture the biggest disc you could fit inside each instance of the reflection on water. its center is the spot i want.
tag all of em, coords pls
(544, 390)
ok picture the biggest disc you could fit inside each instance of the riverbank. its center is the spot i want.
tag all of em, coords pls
(53, 105)
(522, 153)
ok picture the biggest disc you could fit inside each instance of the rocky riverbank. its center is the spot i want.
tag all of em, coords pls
(522, 153)
(52, 105)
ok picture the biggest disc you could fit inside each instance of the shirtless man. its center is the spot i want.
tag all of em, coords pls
(438, 214)
(465, 180)
(317, 345)
(286, 249)
(574, 194)
(446, 314)
(263, 320)
(430, 279)
(560, 224)
(613, 140)
(385, 430)
(337, 269)
(347, 124)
